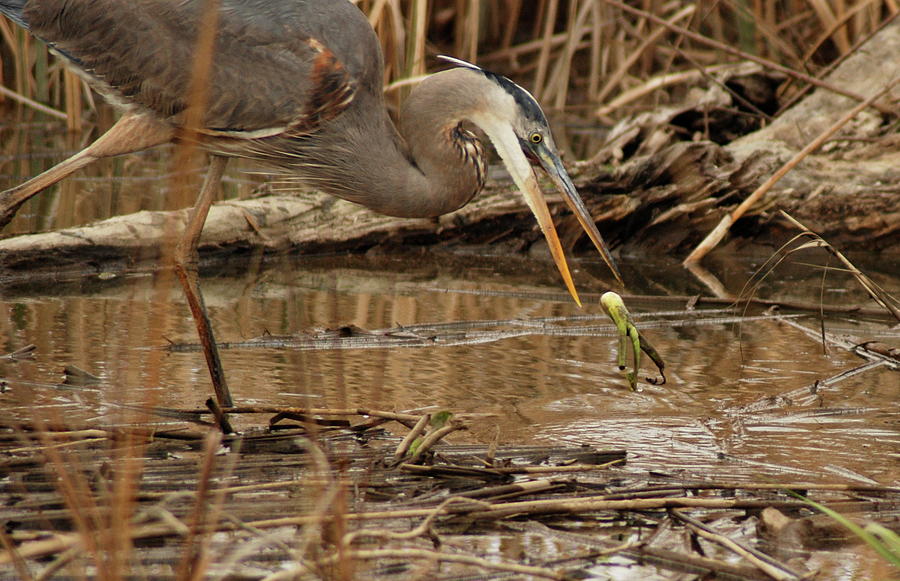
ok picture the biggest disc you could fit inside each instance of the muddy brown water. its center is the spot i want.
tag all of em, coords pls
(722, 414)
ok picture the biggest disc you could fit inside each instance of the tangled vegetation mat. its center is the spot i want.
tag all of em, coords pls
(338, 494)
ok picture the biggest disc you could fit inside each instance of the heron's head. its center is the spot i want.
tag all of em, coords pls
(516, 125)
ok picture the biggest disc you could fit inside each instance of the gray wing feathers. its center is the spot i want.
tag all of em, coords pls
(269, 68)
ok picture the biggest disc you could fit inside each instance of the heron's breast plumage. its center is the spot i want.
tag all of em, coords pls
(472, 153)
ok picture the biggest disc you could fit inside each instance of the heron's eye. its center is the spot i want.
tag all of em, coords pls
(536, 138)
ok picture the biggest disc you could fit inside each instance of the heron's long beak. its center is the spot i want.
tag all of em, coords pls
(554, 168)
(507, 145)
(535, 199)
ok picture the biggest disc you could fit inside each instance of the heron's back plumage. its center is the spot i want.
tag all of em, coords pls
(271, 68)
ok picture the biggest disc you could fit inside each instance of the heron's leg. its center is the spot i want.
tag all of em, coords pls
(131, 133)
(186, 265)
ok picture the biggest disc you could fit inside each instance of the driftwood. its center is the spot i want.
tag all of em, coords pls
(311, 222)
(847, 191)
(647, 187)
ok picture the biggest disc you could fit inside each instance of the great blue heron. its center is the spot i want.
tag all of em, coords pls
(297, 85)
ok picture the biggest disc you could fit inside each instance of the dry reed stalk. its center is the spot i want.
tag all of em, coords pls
(21, 57)
(513, 12)
(198, 91)
(5, 38)
(596, 50)
(659, 82)
(386, 18)
(31, 103)
(543, 59)
(649, 40)
(72, 100)
(767, 40)
(418, 33)
(94, 533)
(829, 18)
(126, 475)
(468, 29)
(558, 85)
(326, 494)
(520, 51)
(19, 564)
(195, 559)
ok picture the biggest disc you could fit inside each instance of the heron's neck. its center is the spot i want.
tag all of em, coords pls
(448, 156)
(430, 167)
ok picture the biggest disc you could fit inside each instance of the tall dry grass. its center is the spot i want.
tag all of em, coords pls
(575, 54)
